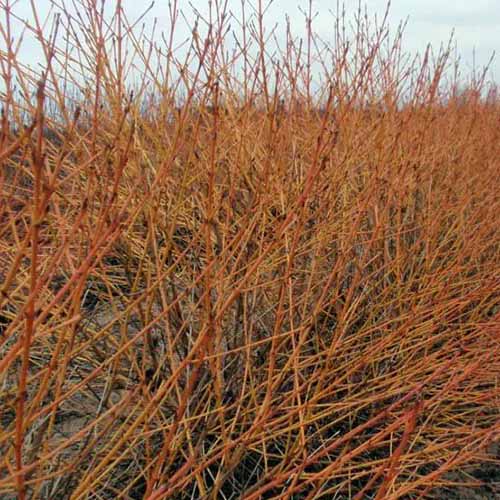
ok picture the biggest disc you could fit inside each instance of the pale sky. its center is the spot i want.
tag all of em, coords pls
(476, 22)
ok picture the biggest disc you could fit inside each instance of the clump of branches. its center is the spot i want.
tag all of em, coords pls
(243, 273)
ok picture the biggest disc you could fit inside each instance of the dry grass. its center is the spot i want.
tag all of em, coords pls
(251, 291)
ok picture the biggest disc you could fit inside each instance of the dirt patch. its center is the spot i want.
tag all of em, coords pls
(485, 476)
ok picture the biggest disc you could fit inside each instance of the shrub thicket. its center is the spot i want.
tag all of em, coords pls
(238, 281)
